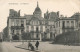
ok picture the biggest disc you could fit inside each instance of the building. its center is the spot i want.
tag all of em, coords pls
(37, 27)
(1, 36)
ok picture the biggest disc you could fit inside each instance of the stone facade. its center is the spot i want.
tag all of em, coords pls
(38, 27)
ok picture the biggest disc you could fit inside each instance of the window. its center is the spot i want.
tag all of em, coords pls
(12, 22)
(32, 28)
(72, 23)
(27, 28)
(67, 21)
(17, 22)
(68, 24)
(22, 25)
(22, 30)
(22, 21)
(79, 25)
(59, 23)
(37, 29)
(12, 31)
(46, 26)
(50, 26)
(17, 31)
(37, 36)
(63, 24)
(26, 21)
(42, 28)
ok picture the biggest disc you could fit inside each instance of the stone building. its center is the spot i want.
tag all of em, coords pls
(38, 27)
(33, 24)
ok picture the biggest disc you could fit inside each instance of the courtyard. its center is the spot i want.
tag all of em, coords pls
(43, 47)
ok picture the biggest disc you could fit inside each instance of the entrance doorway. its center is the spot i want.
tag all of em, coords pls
(15, 37)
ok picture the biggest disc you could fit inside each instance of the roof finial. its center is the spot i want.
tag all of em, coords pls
(37, 4)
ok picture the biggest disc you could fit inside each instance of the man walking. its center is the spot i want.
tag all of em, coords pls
(37, 44)
(29, 45)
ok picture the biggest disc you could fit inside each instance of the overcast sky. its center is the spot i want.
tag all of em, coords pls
(66, 7)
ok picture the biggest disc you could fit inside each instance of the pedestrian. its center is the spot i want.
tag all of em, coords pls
(37, 44)
(29, 45)
(32, 48)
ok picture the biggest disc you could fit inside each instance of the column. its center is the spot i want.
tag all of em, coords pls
(29, 28)
(39, 28)
(74, 24)
(48, 35)
(60, 24)
(20, 35)
(34, 28)
(34, 35)
(70, 23)
(25, 25)
(15, 31)
(10, 34)
(40, 37)
(19, 22)
(65, 23)
(43, 28)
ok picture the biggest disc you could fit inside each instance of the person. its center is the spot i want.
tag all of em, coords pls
(29, 45)
(37, 44)
(32, 48)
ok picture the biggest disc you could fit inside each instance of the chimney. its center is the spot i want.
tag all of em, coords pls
(19, 13)
(58, 13)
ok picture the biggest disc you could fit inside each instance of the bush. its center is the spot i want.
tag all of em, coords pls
(68, 38)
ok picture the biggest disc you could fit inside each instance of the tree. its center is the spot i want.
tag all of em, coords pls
(5, 33)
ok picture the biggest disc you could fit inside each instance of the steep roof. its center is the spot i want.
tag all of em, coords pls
(28, 17)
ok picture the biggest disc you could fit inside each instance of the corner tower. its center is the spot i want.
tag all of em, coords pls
(37, 12)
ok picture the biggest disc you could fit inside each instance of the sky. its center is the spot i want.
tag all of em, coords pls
(65, 7)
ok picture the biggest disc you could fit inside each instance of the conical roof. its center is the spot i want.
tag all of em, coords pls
(37, 9)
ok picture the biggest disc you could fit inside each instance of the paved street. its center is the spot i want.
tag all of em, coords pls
(44, 47)
(10, 47)
(0, 47)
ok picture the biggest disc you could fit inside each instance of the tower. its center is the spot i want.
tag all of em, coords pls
(37, 12)
(46, 15)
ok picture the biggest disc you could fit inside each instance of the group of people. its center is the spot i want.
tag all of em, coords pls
(30, 46)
